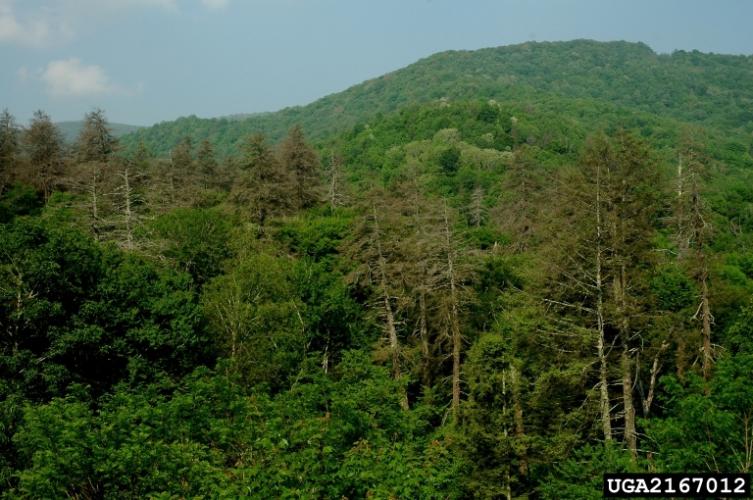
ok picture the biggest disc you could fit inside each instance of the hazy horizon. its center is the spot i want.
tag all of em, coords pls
(146, 61)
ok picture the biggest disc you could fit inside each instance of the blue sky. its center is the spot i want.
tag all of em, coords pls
(145, 61)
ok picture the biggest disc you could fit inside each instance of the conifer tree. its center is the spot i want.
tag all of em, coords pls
(302, 162)
(8, 146)
(207, 164)
(128, 201)
(453, 310)
(632, 206)
(476, 209)
(180, 166)
(609, 205)
(263, 185)
(335, 183)
(96, 142)
(694, 235)
(378, 246)
(141, 157)
(523, 187)
(45, 148)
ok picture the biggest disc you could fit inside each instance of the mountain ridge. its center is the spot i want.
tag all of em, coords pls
(693, 87)
(71, 128)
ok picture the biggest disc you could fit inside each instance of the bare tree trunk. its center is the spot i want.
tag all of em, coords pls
(391, 329)
(606, 419)
(44, 182)
(454, 321)
(699, 231)
(682, 233)
(708, 359)
(94, 201)
(655, 366)
(626, 365)
(127, 209)
(332, 191)
(631, 438)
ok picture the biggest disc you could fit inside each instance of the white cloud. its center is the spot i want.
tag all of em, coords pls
(34, 30)
(70, 77)
(47, 25)
(215, 4)
(58, 22)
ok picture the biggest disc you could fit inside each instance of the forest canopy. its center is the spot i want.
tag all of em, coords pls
(441, 283)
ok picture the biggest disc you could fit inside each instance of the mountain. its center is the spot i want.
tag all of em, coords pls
(490, 270)
(707, 89)
(71, 129)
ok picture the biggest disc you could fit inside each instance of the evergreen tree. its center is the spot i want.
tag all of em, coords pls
(141, 157)
(695, 232)
(95, 141)
(263, 186)
(8, 146)
(336, 195)
(181, 156)
(609, 207)
(44, 144)
(128, 201)
(302, 162)
(180, 166)
(207, 164)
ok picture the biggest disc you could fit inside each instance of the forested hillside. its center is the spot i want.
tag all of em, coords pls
(71, 130)
(501, 294)
(689, 86)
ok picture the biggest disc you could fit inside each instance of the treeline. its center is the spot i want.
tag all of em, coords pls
(116, 192)
(693, 87)
(463, 300)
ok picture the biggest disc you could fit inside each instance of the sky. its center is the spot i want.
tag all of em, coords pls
(145, 61)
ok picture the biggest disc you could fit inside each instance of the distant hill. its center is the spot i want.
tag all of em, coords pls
(70, 130)
(708, 89)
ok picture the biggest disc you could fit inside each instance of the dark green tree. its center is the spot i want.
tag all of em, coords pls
(8, 147)
(45, 149)
(95, 142)
(207, 164)
(302, 162)
(263, 186)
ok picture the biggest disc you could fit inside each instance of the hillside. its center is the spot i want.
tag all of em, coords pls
(707, 89)
(501, 287)
(71, 129)
(238, 346)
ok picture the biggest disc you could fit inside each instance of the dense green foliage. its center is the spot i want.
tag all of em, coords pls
(690, 86)
(460, 298)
